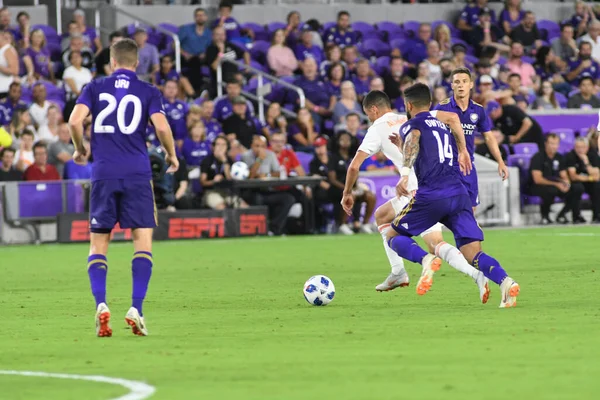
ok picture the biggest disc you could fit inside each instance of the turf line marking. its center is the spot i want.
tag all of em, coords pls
(138, 390)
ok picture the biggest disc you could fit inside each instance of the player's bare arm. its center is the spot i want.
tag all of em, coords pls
(411, 151)
(78, 116)
(351, 177)
(492, 145)
(164, 134)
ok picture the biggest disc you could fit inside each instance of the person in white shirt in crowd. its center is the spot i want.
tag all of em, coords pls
(76, 76)
(24, 156)
(48, 132)
(593, 38)
(9, 63)
(39, 108)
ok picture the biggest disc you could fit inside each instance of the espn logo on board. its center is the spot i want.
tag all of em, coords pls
(253, 224)
(195, 228)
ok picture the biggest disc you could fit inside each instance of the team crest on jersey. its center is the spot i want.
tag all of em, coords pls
(474, 117)
(445, 101)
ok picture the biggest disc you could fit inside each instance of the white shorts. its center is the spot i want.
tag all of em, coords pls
(400, 203)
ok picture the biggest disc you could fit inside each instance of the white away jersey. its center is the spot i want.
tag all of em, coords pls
(377, 139)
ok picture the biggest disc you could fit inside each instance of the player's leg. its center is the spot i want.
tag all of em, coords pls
(103, 216)
(472, 185)
(436, 244)
(384, 215)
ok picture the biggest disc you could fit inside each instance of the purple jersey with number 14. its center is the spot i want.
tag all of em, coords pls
(121, 192)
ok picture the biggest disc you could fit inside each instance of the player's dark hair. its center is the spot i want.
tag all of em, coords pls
(377, 98)
(27, 132)
(115, 34)
(289, 16)
(515, 42)
(14, 84)
(22, 14)
(125, 53)
(551, 136)
(220, 137)
(565, 25)
(39, 145)
(418, 95)
(514, 76)
(462, 70)
(234, 82)
(352, 114)
(343, 13)
(581, 44)
(197, 10)
(226, 4)
(586, 78)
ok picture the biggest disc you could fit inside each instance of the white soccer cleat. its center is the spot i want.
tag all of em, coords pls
(484, 287)
(136, 322)
(345, 230)
(393, 281)
(510, 290)
(103, 321)
(366, 228)
(431, 264)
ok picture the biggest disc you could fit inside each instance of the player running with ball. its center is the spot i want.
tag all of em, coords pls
(385, 123)
(121, 191)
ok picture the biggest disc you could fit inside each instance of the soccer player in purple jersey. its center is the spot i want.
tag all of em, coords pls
(121, 191)
(473, 118)
(441, 197)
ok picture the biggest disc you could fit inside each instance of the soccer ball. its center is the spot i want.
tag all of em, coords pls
(319, 290)
(240, 171)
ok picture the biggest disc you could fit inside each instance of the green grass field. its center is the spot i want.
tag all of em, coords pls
(228, 321)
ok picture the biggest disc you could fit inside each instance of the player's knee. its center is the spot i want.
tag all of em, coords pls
(470, 250)
(433, 239)
(142, 239)
(99, 243)
(382, 214)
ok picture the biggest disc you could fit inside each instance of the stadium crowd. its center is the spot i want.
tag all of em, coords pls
(518, 63)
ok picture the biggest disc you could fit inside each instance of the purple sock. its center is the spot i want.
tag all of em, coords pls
(97, 270)
(141, 271)
(407, 248)
(490, 267)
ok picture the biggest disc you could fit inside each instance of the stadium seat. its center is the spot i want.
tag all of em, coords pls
(273, 26)
(454, 31)
(169, 27)
(361, 26)
(502, 60)
(374, 48)
(259, 50)
(411, 28)
(472, 59)
(561, 99)
(305, 159)
(372, 35)
(528, 149)
(399, 43)
(391, 29)
(329, 25)
(381, 65)
(260, 33)
(49, 31)
(567, 139)
(548, 29)
(527, 59)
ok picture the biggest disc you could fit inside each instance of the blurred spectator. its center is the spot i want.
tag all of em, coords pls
(511, 16)
(548, 67)
(516, 65)
(4, 18)
(48, 132)
(215, 172)
(293, 29)
(348, 103)
(306, 49)
(39, 108)
(287, 158)
(281, 59)
(353, 127)
(77, 44)
(169, 189)
(213, 127)
(102, 60)
(565, 46)
(423, 75)
(218, 50)
(459, 59)
(378, 162)
(304, 132)
(583, 65)
(40, 170)
(349, 57)
(195, 39)
(405, 83)
(195, 147)
(226, 21)
(61, 151)
(433, 63)
(76, 76)
(239, 126)
(519, 92)
(73, 30)
(24, 156)
(224, 105)
(580, 19)
(21, 121)
(447, 66)
(275, 120)
(79, 170)
(9, 63)
(515, 124)
(376, 84)
(441, 34)
(333, 55)
(167, 72)
(341, 34)
(392, 78)
(546, 99)
(549, 180)
(322, 193)
(176, 111)
(262, 164)
(316, 27)
(469, 18)
(439, 94)
(527, 33)
(593, 137)
(10, 103)
(88, 33)
(23, 29)
(418, 49)
(362, 77)
(486, 92)
(317, 98)
(583, 167)
(8, 173)
(486, 34)
(592, 37)
(483, 150)
(333, 84)
(37, 58)
(148, 58)
(585, 98)
(337, 169)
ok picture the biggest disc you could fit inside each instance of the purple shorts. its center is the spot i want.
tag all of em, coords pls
(128, 202)
(455, 212)
(472, 186)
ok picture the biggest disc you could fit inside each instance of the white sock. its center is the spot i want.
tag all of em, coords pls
(396, 262)
(454, 257)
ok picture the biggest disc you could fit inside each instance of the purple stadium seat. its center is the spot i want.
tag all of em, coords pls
(399, 43)
(49, 31)
(258, 66)
(502, 60)
(132, 27)
(362, 27)
(372, 35)
(471, 59)
(567, 139)
(548, 29)
(374, 47)
(529, 60)
(561, 99)
(259, 50)
(329, 25)
(55, 51)
(273, 26)
(382, 65)
(506, 148)
(528, 149)
(260, 33)
(573, 92)
(169, 27)
(454, 31)
(411, 28)
(305, 159)
(390, 27)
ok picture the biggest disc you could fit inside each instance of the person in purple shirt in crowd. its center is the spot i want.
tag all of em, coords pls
(195, 148)
(293, 30)
(584, 65)
(148, 56)
(226, 21)
(88, 33)
(223, 105)
(318, 99)
(511, 16)
(37, 58)
(306, 49)
(392, 77)
(579, 20)
(341, 34)
(362, 78)
(166, 72)
(335, 77)
(11, 103)
(195, 39)
(377, 162)
(469, 18)
(418, 49)
(176, 111)
(212, 126)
